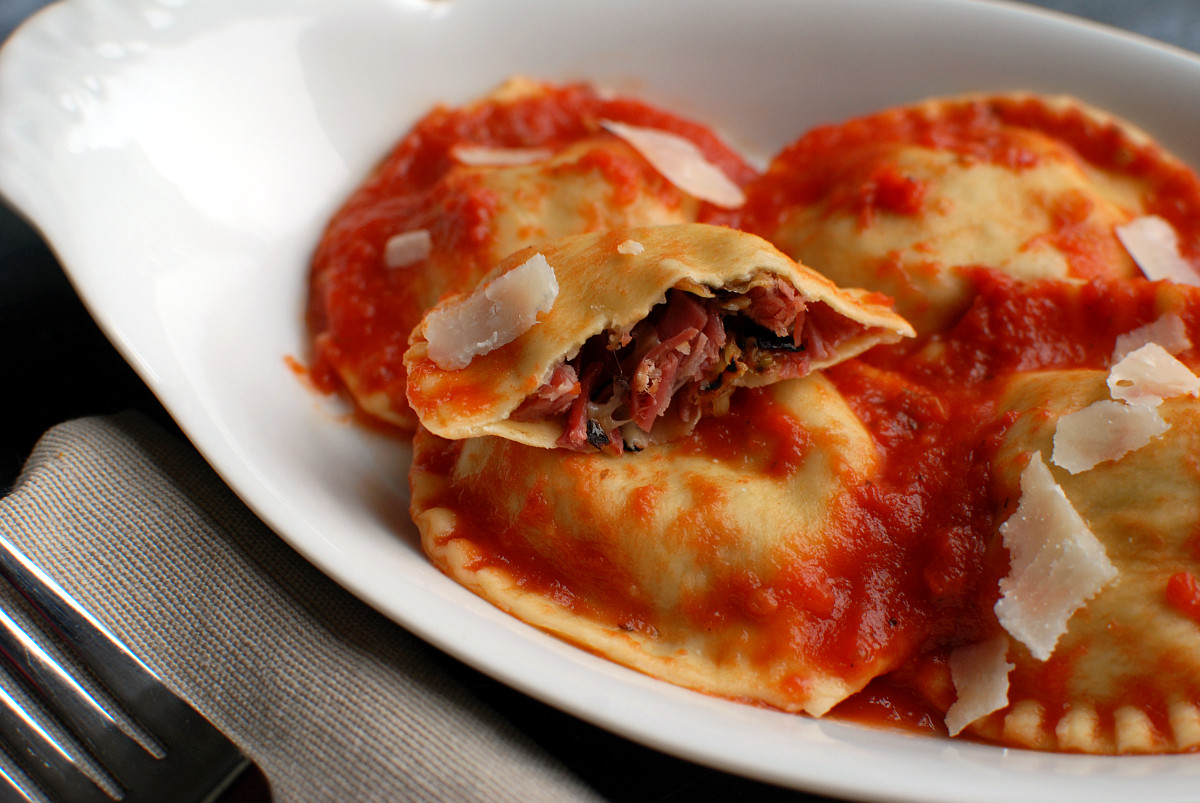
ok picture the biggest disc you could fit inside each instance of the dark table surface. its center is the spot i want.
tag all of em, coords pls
(56, 365)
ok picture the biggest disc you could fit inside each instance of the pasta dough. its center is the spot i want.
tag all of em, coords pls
(723, 569)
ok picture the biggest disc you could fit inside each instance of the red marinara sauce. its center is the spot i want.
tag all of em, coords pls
(1183, 592)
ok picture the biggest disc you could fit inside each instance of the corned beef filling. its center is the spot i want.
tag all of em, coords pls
(683, 359)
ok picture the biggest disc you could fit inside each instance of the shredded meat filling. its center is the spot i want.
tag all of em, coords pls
(554, 397)
(778, 308)
(681, 360)
(690, 335)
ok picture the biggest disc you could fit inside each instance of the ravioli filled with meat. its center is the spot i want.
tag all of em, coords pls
(466, 187)
(638, 334)
(726, 561)
(901, 201)
(993, 515)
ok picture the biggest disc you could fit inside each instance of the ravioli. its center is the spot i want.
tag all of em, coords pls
(771, 490)
(527, 164)
(651, 328)
(726, 561)
(902, 200)
(1125, 676)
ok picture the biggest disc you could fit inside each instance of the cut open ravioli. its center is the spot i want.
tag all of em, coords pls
(641, 342)
(462, 190)
(721, 561)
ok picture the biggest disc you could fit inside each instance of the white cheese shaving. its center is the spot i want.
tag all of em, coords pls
(1154, 246)
(980, 675)
(681, 163)
(1057, 564)
(1104, 430)
(1167, 331)
(484, 156)
(1149, 375)
(630, 247)
(493, 315)
(407, 248)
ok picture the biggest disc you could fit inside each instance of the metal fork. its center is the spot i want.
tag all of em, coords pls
(185, 759)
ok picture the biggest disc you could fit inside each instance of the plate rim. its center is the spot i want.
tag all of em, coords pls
(20, 196)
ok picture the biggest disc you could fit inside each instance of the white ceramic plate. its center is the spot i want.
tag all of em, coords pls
(181, 158)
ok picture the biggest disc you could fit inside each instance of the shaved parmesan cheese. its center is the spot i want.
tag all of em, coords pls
(1104, 430)
(493, 316)
(407, 248)
(630, 247)
(681, 163)
(1154, 246)
(1057, 564)
(483, 156)
(980, 675)
(1167, 331)
(1149, 375)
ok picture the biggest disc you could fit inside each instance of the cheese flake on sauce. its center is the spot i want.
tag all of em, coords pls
(630, 248)
(407, 248)
(1154, 246)
(681, 163)
(1150, 374)
(1104, 430)
(484, 156)
(1057, 564)
(1167, 331)
(980, 675)
(492, 316)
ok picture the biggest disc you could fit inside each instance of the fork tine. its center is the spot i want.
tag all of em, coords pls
(11, 789)
(91, 639)
(113, 664)
(200, 746)
(85, 715)
(47, 762)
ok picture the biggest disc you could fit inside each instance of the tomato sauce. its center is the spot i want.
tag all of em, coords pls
(887, 704)
(931, 507)
(751, 429)
(1183, 592)
(1028, 326)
